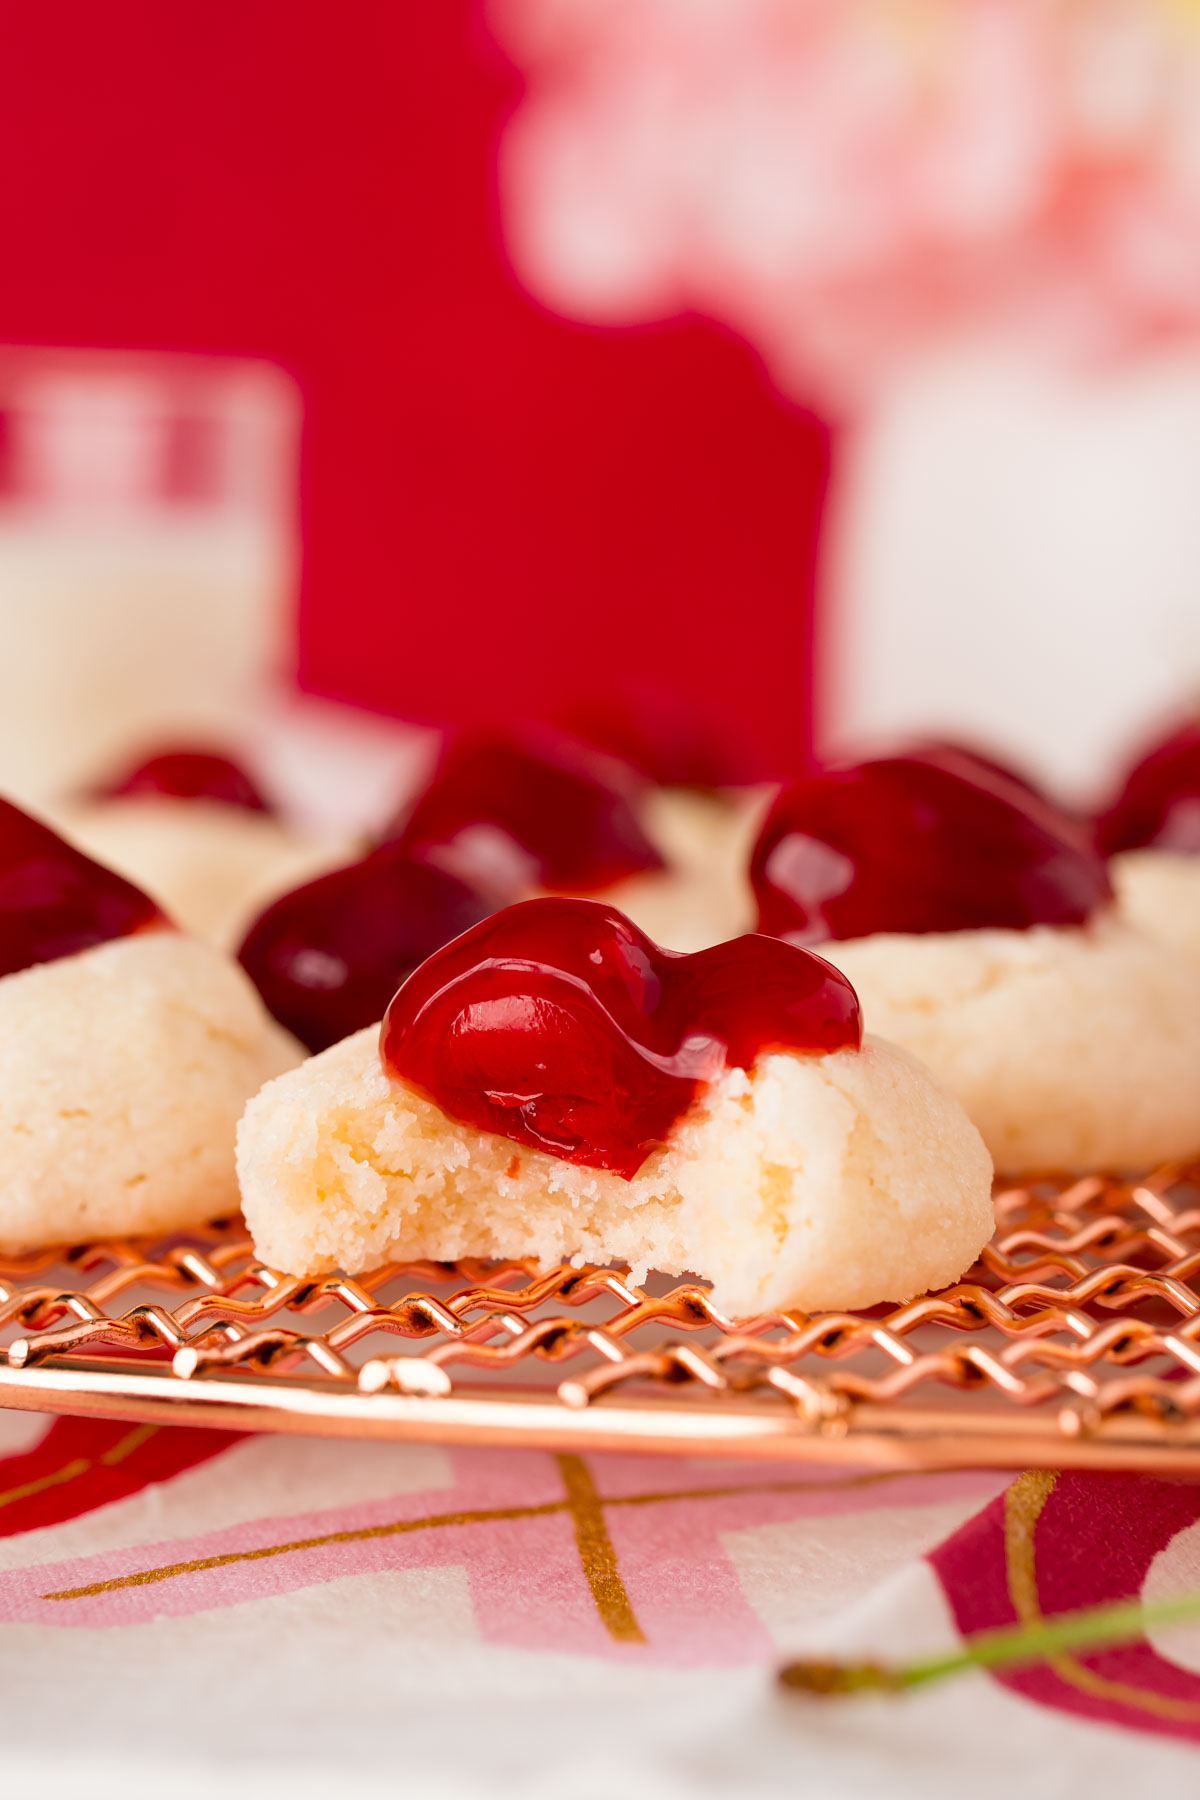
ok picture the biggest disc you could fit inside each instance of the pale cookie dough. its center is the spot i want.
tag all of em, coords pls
(703, 897)
(1074, 1049)
(1158, 891)
(123, 1071)
(814, 1182)
(211, 867)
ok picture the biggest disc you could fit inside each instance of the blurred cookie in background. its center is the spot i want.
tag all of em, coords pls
(977, 926)
(704, 895)
(1150, 832)
(192, 827)
(528, 811)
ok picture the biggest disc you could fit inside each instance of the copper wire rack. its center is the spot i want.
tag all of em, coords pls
(1074, 1341)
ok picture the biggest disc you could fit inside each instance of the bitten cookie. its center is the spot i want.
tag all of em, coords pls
(551, 1085)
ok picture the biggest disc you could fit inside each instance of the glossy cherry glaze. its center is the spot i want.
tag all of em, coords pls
(54, 901)
(522, 811)
(558, 1024)
(188, 775)
(908, 845)
(328, 956)
(1159, 805)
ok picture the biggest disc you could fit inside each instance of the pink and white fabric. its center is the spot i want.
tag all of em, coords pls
(188, 1606)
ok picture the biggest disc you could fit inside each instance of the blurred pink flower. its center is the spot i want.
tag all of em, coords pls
(845, 180)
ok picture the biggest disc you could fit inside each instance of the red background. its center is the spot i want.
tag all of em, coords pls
(501, 509)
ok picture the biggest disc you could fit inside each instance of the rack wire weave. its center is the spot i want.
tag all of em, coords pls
(1075, 1340)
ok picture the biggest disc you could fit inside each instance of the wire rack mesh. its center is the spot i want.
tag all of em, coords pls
(1074, 1341)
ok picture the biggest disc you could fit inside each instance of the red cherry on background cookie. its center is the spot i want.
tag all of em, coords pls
(524, 810)
(906, 845)
(558, 1024)
(966, 760)
(54, 901)
(328, 956)
(1159, 805)
(188, 775)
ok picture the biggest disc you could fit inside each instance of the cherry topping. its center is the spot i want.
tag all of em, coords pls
(909, 845)
(522, 810)
(328, 956)
(1159, 806)
(189, 775)
(558, 1024)
(54, 901)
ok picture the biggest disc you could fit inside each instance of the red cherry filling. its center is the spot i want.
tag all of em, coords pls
(558, 1024)
(1159, 806)
(54, 901)
(517, 812)
(189, 775)
(328, 957)
(913, 845)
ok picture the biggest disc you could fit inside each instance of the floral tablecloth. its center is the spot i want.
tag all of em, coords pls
(194, 1606)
